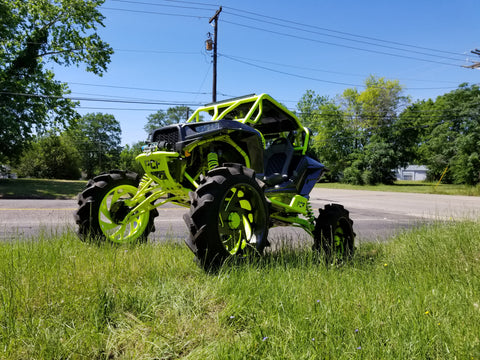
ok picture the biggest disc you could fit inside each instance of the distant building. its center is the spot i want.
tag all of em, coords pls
(6, 173)
(412, 172)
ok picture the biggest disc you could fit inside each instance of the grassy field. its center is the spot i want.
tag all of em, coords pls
(39, 189)
(64, 189)
(411, 187)
(415, 297)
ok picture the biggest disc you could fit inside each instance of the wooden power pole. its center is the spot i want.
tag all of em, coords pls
(475, 64)
(215, 46)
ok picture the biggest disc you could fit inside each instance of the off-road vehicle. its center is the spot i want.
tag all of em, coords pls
(241, 166)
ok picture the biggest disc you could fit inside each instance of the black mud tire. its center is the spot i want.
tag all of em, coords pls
(333, 235)
(89, 219)
(228, 216)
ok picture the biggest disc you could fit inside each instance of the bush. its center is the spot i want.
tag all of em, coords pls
(352, 175)
(50, 157)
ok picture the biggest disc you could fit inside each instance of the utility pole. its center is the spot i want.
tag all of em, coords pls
(215, 31)
(475, 64)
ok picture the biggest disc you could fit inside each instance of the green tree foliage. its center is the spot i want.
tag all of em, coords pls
(51, 157)
(31, 34)
(161, 118)
(97, 138)
(373, 114)
(332, 133)
(357, 136)
(128, 155)
(448, 134)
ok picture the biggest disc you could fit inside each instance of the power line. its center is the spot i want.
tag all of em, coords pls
(312, 78)
(290, 66)
(143, 89)
(307, 28)
(344, 38)
(76, 98)
(290, 74)
(155, 13)
(115, 109)
(159, 51)
(150, 89)
(298, 25)
(172, 1)
(165, 5)
(338, 45)
(263, 16)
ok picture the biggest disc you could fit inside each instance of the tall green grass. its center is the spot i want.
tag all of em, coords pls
(416, 297)
(420, 187)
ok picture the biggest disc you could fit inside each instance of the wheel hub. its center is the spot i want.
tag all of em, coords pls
(119, 211)
(234, 220)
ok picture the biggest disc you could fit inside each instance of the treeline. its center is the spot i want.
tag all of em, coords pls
(89, 146)
(363, 136)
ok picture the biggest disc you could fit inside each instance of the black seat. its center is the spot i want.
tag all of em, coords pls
(277, 160)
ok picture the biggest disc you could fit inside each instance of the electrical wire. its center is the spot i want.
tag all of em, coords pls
(308, 30)
(143, 89)
(263, 16)
(78, 98)
(298, 26)
(155, 13)
(338, 45)
(346, 39)
(290, 74)
(165, 5)
(290, 66)
(171, 1)
(317, 79)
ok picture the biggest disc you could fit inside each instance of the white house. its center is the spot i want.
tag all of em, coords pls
(412, 172)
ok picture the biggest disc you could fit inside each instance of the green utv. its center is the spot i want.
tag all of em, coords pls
(241, 166)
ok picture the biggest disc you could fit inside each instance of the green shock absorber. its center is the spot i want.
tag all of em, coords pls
(212, 159)
(310, 214)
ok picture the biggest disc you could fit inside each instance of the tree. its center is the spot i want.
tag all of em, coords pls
(309, 108)
(161, 118)
(373, 115)
(128, 155)
(331, 132)
(97, 138)
(31, 34)
(51, 157)
(449, 134)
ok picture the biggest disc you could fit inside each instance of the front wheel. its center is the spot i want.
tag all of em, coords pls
(103, 208)
(228, 216)
(333, 234)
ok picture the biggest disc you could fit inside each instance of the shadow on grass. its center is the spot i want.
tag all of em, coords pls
(40, 189)
(294, 257)
(412, 185)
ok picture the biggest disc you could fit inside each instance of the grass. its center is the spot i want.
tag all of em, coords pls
(411, 187)
(40, 189)
(65, 189)
(416, 297)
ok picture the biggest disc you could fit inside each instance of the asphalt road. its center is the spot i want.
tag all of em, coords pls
(376, 215)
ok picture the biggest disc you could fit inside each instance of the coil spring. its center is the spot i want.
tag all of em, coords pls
(310, 213)
(212, 159)
(143, 181)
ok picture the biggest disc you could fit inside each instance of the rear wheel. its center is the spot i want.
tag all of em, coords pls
(228, 216)
(103, 209)
(333, 234)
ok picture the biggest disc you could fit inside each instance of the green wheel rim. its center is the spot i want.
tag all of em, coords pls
(241, 218)
(338, 240)
(119, 231)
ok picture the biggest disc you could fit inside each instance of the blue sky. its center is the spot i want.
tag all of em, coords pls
(278, 47)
